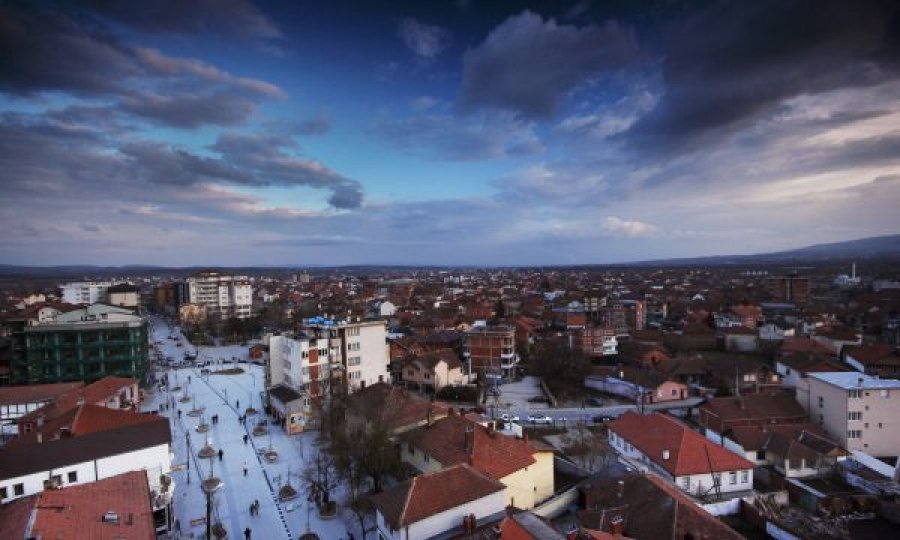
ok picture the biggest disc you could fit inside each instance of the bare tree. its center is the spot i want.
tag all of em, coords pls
(320, 478)
(589, 447)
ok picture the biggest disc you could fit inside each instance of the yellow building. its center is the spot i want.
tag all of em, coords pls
(525, 469)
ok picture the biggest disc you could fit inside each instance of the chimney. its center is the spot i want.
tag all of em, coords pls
(451, 411)
(620, 489)
(40, 437)
(470, 439)
(859, 381)
(665, 455)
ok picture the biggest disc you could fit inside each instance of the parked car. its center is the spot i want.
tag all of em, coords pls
(509, 418)
(540, 419)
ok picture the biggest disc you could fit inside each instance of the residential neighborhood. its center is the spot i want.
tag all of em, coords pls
(449, 270)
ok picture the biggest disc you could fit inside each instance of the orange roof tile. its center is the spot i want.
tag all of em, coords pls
(430, 494)
(689, 452)
(491, 453)
(80, 508)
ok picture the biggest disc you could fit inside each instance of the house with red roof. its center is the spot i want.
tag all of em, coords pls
(456, 497)
(664, 445)
(110, 509)
(110, 392)
(525, 468)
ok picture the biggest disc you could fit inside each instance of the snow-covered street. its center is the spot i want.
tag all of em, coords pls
(228, 396)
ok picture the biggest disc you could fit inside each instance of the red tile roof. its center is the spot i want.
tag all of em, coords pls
(489, 452)
(60, 513)
(689, 452)
(764, 406)
(96, 392)
(85, 419)
(11, 395)
(430, 494)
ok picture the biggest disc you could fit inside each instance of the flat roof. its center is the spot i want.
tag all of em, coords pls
(853, 379)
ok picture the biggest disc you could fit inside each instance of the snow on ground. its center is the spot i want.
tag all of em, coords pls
(228, 397)
(517, 394)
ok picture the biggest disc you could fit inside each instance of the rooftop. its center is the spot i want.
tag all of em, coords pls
(688, 451)
(430, 494)
(852, 380)
(114, 508)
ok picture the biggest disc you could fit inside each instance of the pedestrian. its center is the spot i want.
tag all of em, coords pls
(221, 453)
(256, 507)
(251, 509)
(245, 438)
(179, 414)
(245, 468)
(237, 404)
(247, 533)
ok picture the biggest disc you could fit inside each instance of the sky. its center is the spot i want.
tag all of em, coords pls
(238, 133)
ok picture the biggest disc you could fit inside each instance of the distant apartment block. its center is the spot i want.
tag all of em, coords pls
(85, 292)
(223, 295)
(123, 295)
(790, 288)
(81, 345)
(858, 411)
(491, 349)
(304, 367)
(596, 341)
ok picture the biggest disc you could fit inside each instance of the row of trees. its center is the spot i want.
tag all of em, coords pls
(359, 456)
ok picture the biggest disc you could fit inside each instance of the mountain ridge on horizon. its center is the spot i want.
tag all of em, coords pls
(875, 246)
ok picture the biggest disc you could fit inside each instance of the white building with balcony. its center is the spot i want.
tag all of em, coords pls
(223, 295)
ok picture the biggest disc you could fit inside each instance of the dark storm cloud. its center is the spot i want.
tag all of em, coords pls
(526, 64)
(264, 156)
(45, 50)
(191, 110)
(226, 17)
(165, 165)
(736, 60)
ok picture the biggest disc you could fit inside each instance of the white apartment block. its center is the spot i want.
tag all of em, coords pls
(858, 411)
(85, 292)
(223, 295)
(355, 350)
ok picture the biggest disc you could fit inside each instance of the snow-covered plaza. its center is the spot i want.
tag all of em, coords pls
(198, 398)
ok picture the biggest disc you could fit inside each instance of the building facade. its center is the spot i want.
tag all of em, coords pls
(858, 411)
(223, 295)
(325, 354)
(85, 292)
(82, 345)
(491, 349)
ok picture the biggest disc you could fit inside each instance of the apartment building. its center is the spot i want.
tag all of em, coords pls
(491, 349)
(858, 411)
(223, 295)
(85, 292)
(80, 345)
(595, 341)
(303, 367)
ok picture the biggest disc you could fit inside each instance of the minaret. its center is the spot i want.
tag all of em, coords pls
(853, 276)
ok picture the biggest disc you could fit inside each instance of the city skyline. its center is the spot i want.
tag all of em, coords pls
(453, 133)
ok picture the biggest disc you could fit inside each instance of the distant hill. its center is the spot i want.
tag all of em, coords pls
(876, 247)
(883, 247)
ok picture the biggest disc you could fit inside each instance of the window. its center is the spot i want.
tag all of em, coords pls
(854, 394)
(821, 402)
(788, 372)
(354, 361)
(732, 478)
(717, 479)
(73, 476)
(353, 346)
(686, 482)
(760, 455)
(426, 458)
(353, 331)
(745, 477)
(854, 434)
(854, 415)
(410, 449)
(3, 494)
(885, 393)
(19, 489)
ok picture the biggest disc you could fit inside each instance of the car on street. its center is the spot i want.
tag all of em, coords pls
(540, 419)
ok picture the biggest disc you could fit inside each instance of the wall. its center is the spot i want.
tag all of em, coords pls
(446, 520)
(723, 508)
(531, 485)
(156, 458)
(416, 458)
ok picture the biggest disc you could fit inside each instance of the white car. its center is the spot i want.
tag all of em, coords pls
(540, 419)
(509, 418)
